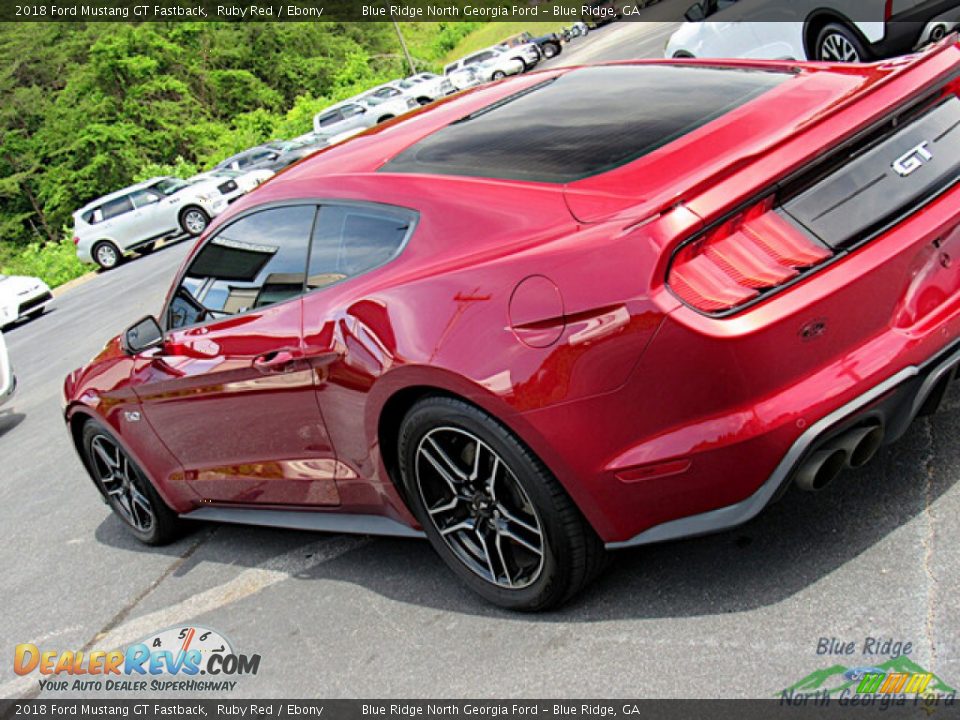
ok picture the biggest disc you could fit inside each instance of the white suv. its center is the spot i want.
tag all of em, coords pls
(134, 218)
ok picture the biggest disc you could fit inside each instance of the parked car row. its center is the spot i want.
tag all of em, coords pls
(828, 31)
(136, 218)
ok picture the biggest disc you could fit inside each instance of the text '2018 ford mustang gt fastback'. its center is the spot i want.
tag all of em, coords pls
(532, 336)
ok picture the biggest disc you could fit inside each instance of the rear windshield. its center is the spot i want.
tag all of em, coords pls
(584, 123)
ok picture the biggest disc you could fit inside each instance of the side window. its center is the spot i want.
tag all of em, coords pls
(349, 241)
(330, 119)
(386, 92)
(92, 217)
(144, 197)
(115, 207)
(351, 110)
(256, 261)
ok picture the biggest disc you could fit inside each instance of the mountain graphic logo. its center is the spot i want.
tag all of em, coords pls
(898, 675)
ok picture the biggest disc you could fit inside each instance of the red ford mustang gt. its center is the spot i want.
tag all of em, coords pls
(581, 309)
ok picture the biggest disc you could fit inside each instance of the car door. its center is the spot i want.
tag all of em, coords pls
(147, 219)
(349, 340)
(229, 393)
(329, 122)
(354, 116)
(118, 222)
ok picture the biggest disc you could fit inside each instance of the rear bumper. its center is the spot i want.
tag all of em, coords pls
(7, 392)
(894, 402)
(718, 412)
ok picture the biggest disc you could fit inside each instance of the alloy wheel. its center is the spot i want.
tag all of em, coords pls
(107, 256)
(479, 508)
(122, 483)
(195, 221)
(838, 48)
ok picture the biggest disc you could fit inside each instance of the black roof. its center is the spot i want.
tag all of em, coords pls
(584, 122)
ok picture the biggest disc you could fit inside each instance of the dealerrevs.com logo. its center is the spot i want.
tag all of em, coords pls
(191, 658)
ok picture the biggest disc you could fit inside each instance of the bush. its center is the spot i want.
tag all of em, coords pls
(54, 263)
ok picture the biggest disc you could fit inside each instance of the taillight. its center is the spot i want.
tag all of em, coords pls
(76, 240)
(741, 259)
(888, 10)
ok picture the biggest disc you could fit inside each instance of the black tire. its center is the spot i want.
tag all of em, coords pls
(194, 220)
(106, 255)
(682, 55)
(571, 554)
(147, 249)
(498, 75)
(424, 100)
(550, 50)
(838, 43)
(384, 119)
(164, 525)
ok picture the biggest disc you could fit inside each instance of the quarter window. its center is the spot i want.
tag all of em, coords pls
(115, 207)
(256, 261)
(144, 197)
(349, 241)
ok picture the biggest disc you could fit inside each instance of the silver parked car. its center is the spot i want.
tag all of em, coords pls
(135, 218)
(361, 113)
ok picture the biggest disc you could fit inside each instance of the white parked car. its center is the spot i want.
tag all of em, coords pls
(21, 297)
(234, 184)
(135, 218)
(8, 381)
(825, 30)
(493, 63)
(360, 113)
(427, 87)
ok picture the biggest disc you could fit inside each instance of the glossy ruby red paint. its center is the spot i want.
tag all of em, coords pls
(644, 409)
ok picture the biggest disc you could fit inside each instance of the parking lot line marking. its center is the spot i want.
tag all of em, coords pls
(247, 583)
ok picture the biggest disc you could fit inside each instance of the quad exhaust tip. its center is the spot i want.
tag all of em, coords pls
(852, 449)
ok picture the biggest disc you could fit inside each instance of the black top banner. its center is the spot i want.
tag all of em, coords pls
(590, 11)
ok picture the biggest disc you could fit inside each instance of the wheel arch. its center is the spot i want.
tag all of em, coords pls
(394, 407)
(819, 19)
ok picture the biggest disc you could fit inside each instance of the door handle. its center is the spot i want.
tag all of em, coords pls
(274, 361)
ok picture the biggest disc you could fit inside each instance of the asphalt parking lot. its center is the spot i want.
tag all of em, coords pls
(738, 614)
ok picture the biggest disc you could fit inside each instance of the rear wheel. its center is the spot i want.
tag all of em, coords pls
(550, 50)
(193, 220)
(498, 75)
(106, 255)
(126, 488)
(492, 510)
(838, 43)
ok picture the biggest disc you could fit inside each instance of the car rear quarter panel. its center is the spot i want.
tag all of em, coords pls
(439, 318)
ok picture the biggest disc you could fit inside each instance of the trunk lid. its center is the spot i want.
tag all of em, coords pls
(756, 145)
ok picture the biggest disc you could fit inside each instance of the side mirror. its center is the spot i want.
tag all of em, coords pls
(696, 13)
(142, 335)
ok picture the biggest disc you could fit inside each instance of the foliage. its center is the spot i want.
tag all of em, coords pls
(56, 263)
(91, 107)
